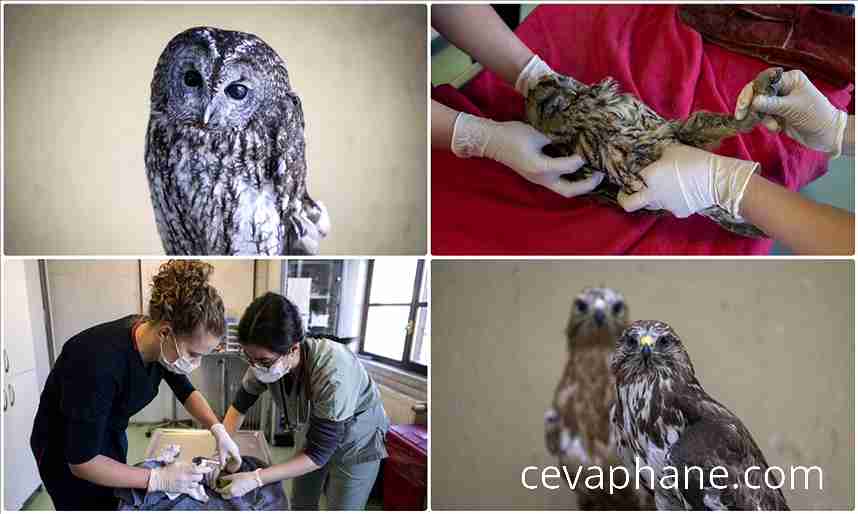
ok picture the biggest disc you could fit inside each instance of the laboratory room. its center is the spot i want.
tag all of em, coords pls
(215, 385)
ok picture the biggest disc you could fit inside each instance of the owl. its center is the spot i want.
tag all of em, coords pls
(225, 150)
(665, 420)
(577, 428)
(618, 134)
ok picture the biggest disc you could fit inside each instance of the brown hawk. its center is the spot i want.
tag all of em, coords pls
(665, 420)
(577, 428)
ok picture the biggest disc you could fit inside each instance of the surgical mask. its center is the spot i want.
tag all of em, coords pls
(271, 374)
(182, 365)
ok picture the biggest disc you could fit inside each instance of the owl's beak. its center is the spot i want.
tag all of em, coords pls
(208, 114)
(599, 316)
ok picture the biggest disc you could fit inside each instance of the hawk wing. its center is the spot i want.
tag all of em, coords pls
(727, 444)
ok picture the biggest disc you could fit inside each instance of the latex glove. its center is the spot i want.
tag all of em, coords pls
(808, 116)
(687, 180)
(227, 451)
(240, 484)
(519, 146)
(178, 477)
(534, 70)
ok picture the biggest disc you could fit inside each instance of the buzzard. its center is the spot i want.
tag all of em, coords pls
(665, 420)
(577, 428)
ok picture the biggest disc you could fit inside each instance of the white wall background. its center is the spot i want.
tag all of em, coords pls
(772, 340)
(77, 106)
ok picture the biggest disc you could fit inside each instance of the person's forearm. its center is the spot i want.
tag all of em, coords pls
(294, 467)
(232, 420)
(480, 32)
(199, 408)
(443, 120)
(800, 224)
(107, 472)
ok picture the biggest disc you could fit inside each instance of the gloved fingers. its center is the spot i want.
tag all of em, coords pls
(779, 105)
(233, 463)
(563, 165)
(571, 188)
(743, 102)
(791, 80)
(772, 124)
(633, 202)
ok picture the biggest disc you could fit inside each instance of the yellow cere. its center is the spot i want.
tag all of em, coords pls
(647, 340)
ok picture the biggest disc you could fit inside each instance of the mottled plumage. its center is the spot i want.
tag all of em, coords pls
(225, 150)
(577, 428)
(618, 134)
(664, 418)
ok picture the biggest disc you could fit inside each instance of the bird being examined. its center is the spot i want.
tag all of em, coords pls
(577, 427)
(665, 420)
(225, 150)
(619, 135)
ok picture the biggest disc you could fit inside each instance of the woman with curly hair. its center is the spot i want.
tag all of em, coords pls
(329, 400)
(108, 373)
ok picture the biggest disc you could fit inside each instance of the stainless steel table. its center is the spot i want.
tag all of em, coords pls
(201, 443)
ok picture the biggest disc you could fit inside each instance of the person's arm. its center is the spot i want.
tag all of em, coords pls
(233, 419)
(443, 119)
(482, 34)
(199, 408)
(108, 472)
(687, 180)
(802, 225)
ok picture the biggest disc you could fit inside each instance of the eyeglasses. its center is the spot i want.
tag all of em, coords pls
(266, 364)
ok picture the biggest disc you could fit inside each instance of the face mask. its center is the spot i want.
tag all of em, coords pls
(268, 375)
(182, 365)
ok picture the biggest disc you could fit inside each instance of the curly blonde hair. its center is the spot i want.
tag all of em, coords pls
(183, 297)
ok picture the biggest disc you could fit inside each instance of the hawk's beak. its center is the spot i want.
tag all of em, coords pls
(646, 344)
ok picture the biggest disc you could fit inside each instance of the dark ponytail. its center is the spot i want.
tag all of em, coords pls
(273, 322)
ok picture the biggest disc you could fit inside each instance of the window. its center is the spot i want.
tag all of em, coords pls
(396, 321)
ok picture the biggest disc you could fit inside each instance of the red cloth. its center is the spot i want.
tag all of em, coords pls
(479, 207)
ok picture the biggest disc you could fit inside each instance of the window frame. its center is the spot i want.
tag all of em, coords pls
(405, 363)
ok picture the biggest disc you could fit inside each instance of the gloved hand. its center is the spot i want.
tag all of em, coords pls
(534, 70)
(227, 451)
(687, 180)
(808, 116)
(519, 146)
(240, 484)
(178, 477)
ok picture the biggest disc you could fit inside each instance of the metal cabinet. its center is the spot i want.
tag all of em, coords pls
(20, 386)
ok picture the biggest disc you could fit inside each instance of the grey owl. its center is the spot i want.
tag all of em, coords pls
(617, 133)
(225, 150)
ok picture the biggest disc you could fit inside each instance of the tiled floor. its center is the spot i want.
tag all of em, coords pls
(137, 444)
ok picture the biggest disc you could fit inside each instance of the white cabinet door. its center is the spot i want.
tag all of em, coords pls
(22, 477)
(18, 353)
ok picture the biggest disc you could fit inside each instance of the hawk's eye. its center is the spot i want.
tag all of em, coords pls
(618, 308)
(193, 78)
(581, 306)
(236, 91)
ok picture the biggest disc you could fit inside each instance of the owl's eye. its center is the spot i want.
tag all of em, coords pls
(236, 91)
(193, 78)
(630, 342)
(581, 306)
(618, 308)
(664, 341)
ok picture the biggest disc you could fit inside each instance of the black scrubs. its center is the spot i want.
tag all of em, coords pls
(98, 382)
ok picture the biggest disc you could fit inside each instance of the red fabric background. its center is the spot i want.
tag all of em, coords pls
(479, 207)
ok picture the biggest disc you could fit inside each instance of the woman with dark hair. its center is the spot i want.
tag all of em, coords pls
(329, 400)
(110, 372)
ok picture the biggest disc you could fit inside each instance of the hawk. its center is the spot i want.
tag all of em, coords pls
(577, 428)
(665, 420)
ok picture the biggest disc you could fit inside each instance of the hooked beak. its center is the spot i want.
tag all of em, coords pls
(646, 343)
